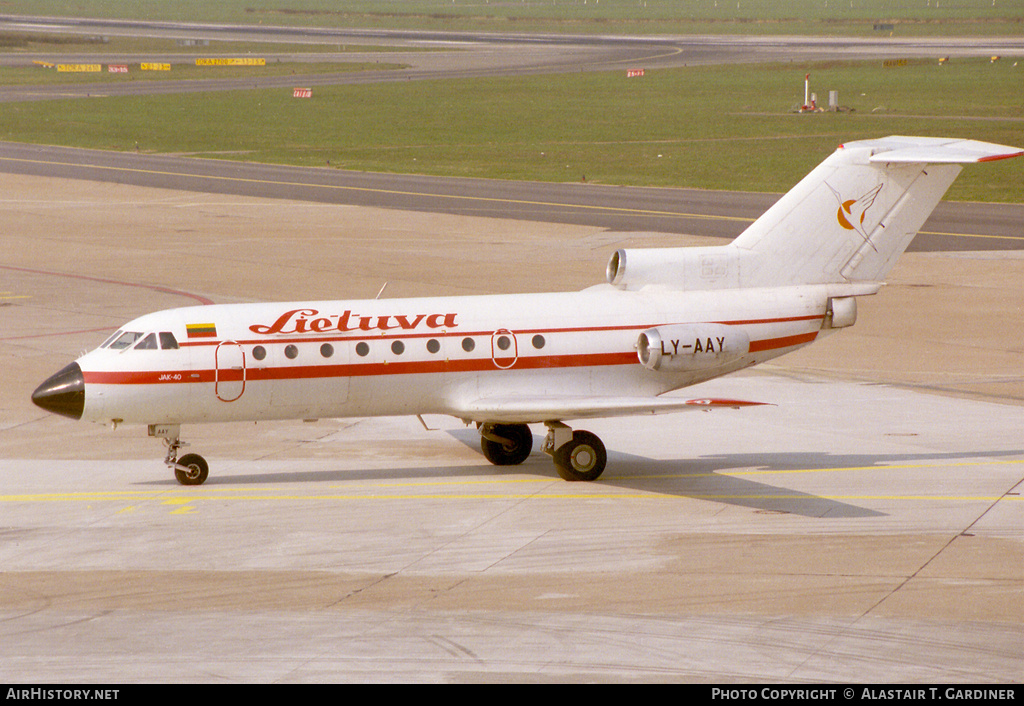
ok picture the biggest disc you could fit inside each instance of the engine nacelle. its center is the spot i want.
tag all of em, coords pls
(715, 267)
(683, 347)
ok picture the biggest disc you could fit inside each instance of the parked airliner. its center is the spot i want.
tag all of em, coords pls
(666, 318)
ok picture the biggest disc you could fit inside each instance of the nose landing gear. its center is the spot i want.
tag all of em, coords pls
(190, 469)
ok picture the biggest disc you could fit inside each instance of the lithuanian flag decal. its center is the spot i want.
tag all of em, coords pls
(201, 330)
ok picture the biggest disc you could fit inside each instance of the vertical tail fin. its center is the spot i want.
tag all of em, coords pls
(854, 215)
(847, 222)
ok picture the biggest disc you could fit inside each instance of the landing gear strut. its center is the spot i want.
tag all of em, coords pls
(190, 469)
(506, 444)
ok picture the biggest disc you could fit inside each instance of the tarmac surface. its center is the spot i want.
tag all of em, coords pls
(866, 527)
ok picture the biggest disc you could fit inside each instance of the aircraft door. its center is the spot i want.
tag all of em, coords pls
(229, 371)
(504, 348)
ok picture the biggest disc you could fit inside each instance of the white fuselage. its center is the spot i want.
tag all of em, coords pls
(430, 355)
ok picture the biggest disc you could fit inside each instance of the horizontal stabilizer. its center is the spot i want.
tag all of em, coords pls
(935, 150)
(532, 409)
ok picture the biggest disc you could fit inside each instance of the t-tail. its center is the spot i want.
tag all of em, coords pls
(847, 222)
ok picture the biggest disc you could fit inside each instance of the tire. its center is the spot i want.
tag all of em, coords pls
(516, 448)
(197, 472)
(582, 459)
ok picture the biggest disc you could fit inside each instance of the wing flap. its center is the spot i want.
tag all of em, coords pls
(532, 409)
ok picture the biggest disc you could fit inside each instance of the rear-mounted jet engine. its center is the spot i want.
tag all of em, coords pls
(685, 347)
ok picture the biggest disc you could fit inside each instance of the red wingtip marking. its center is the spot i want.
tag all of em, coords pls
(724, 403)
(1001, 156)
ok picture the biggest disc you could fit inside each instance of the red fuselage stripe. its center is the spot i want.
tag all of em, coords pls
(772, 344)
(309, 372)
(303, 372)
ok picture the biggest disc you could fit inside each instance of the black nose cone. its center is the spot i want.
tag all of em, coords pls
(63, 393)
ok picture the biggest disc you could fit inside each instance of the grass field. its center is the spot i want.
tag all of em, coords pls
(725, 127)
(712, 127)
(846, 17)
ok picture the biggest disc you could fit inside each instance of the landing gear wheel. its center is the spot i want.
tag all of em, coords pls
(195, 469)
(583, 458)
(506, 444)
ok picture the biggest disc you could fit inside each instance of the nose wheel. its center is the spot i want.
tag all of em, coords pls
(190, 469)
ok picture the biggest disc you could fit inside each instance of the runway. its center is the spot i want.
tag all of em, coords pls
(457, 55)
(861, 528)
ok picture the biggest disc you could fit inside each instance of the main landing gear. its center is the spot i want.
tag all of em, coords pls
(578, 455)
(506, 444)
(190, 469)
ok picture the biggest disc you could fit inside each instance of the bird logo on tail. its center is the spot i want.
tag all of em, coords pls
(851, 212)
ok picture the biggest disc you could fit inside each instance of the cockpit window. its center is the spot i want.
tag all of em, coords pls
(125, 340)
(111, 339)
(147, 344)
(167, 341)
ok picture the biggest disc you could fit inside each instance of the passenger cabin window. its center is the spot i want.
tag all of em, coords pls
(167, 341)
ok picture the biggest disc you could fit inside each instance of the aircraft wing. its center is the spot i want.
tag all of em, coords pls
(532, 409)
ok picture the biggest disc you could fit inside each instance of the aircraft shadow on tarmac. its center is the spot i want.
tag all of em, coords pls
(709, 478)
(701, 478)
